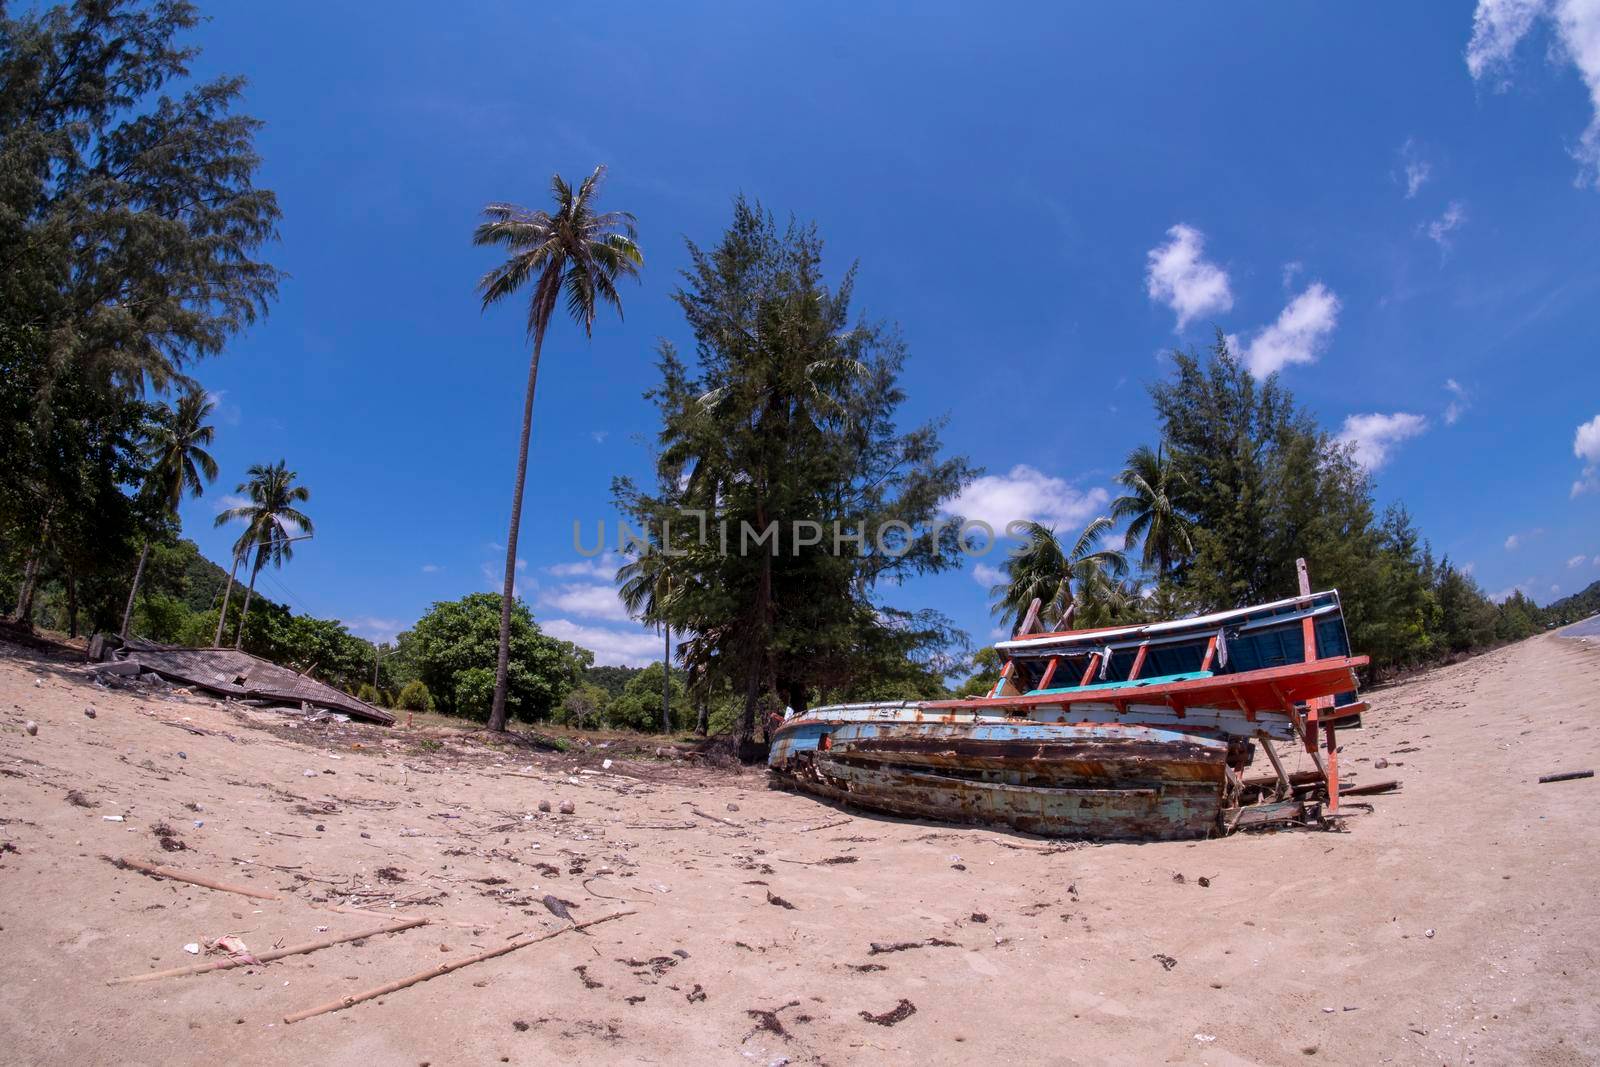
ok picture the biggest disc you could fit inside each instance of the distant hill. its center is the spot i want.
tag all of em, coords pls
(1574, 607)
(612, 679)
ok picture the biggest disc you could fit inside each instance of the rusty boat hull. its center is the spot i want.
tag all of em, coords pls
(1080, 781)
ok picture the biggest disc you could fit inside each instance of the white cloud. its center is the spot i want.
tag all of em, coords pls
(987, 576)
(604, 566)
(1416, 169)
(372, 628)
(430, 568)
(599, 436)
(1298, 336)
(1586, 446)
(1513, 543)
(1576, 562)
(1586, 442)
(1026, 493)
(613, 648)
(1179, 277)
(1440, 229)
(228, 500)
(585, 601)
(1469, 568)
(1555, 589)
(1525, 587)
(1290, 272)
(1460, 401)
(1499, 25)
(1373, 438)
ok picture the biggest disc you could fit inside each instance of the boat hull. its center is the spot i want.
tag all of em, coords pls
(1081, 781)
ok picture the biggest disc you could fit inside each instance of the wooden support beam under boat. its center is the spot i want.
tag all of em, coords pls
(1285, 788)
(1300, 730)
(1088, 672)
(1211, 654)
(1049, 672)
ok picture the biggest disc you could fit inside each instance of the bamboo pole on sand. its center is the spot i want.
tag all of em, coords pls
(443, 969)
(267, 957)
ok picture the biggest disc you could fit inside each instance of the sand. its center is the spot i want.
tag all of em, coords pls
(1455, 922)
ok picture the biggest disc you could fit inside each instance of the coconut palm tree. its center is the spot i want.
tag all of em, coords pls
(1059, 576)
(573, 252)
(649, 590)
(271, 521)
(178, 460)
(1155, 487)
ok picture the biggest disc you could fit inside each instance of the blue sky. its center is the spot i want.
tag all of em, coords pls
(1395, 208)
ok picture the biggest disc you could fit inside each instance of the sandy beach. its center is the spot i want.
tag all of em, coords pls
(1453, 922)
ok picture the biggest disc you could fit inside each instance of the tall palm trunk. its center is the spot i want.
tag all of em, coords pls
(216, 642)
(502, 667)
(666, 683)
(138, 573)
(238, 637)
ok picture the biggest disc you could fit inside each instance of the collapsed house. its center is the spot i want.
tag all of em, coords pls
(232, 673)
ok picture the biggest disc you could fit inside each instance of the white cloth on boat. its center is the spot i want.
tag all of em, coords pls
(1105, 661)
(1222, 646)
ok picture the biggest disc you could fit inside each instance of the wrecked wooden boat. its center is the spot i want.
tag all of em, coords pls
(232, 673)
(1121, 733)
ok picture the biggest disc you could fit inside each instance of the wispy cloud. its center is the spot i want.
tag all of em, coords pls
(1025, 493)
(611, 647)
(1440, 229)
(1517, 540)
(373, 628)
(604, 566)
(1415, 170)
(1179, 276)
(430, 568)
(1460, 401)
(228, 500)
(1576, 561)
(1298, 336)
(1498, 26)
(599, 436)
(224, 412)
(1373, 438)
(585, 601)
(1586, 446)
(987, 576)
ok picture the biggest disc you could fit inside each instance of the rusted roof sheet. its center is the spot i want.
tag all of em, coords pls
(231, 672)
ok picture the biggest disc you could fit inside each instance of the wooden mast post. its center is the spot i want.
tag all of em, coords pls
(1330, 768)
(1029, 621)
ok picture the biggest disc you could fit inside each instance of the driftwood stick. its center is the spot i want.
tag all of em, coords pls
(193, 879)
(1375, 787)
(267, 957)
(713, 818)
(1567, 776)
(444, 968)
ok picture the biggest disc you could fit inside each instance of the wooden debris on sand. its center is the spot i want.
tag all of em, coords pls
(192, 879)
(267, 957)
(443, 969)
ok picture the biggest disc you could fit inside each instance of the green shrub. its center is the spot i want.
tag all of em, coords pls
(414, 696)
(369, 694)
